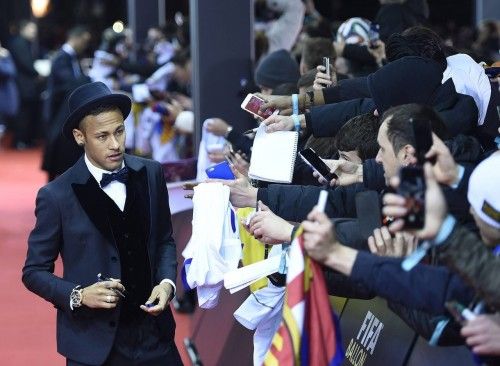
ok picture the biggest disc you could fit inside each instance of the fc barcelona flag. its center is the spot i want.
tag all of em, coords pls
(309, 332)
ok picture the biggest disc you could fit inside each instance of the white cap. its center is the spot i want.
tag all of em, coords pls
(484, 190)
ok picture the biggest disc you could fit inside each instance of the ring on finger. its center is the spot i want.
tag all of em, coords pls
(108, 298)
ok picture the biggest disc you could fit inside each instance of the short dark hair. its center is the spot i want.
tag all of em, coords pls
(307, 80)
(98, 110)
(77, 31)
(399, 128)
(416, 41)
(359, 134)
(285, 89)
(315, 49)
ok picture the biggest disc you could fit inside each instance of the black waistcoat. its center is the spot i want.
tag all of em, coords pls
(129, 232)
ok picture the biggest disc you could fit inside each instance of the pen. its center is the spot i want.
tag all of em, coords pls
(102, 278)
(465, 312)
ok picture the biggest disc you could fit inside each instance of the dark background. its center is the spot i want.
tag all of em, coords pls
(99, 14)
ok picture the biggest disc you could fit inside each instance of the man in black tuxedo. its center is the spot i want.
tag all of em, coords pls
(66, 72)
(66, 75)
(26, 125)
(108, 215)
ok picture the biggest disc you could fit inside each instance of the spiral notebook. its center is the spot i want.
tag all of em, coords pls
(273, 155)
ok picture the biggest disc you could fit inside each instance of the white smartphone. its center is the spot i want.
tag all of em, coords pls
(252, 104)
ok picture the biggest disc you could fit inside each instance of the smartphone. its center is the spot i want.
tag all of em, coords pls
(423, 138)
(373, 35)
(412, 188)
(326, 64)
(314, 161)
(221, 170)
(252, 104)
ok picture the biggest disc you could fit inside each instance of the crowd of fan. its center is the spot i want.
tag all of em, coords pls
(359, 119)
(155, 74)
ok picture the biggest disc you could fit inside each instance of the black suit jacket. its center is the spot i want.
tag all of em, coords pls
(71, 222)
(61, 82)
(20, 49)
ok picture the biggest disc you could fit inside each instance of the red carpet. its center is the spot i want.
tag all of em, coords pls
(28, 322)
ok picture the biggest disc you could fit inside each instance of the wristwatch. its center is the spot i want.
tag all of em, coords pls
(76, 297)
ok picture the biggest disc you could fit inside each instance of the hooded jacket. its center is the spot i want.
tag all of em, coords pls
(410, 79)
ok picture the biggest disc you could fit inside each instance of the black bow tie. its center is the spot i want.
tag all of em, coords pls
(120, 176)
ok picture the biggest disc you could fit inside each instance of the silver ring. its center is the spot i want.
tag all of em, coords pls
(109, 298)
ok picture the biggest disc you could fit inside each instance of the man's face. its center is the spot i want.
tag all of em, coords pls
(386, 155)
(351, 156)
(30, 31)
(103, 138)
(81, 43)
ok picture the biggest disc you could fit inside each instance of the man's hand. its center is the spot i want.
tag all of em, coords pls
(217, 126)
(216, 156)
(319, 240)
(185, 101)
(242, 193)
(383, 244)
(445, 170)
(482, 334)
(435, 206)
(281, 102)
(163, 293)
(174, 108)
(101, 295)
(279, 123)
(239, 162)
(269, 228)
(322, 80)
(322, 245)
(348, 173)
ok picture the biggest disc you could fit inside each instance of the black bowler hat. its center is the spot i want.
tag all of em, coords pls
(89, 97)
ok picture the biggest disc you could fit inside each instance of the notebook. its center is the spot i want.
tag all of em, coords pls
(273, 155)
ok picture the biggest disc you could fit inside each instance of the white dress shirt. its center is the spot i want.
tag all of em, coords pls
(117, 191)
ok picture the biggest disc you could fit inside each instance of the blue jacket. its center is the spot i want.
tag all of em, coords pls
(9, 95)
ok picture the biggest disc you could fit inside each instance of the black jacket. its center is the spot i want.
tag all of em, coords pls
(60, 153)
(458, 111)
(20, 49)
(293, 203)
(62, 81)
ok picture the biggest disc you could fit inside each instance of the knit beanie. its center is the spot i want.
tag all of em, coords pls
(277, 68)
